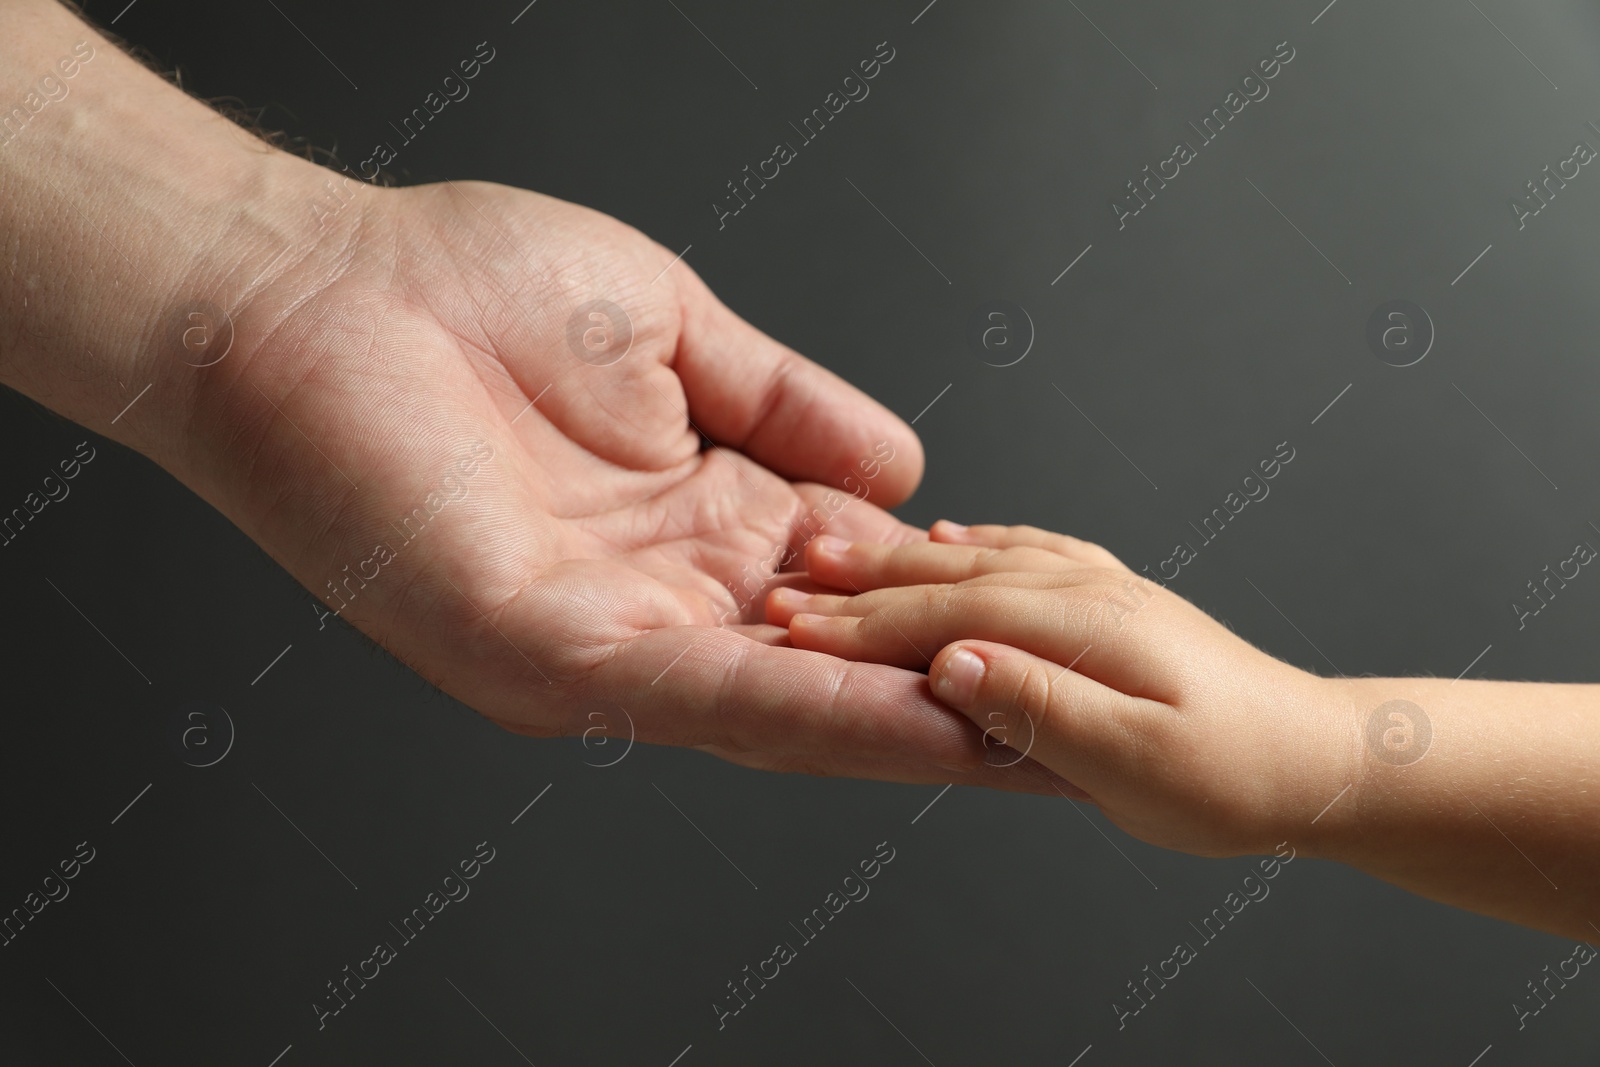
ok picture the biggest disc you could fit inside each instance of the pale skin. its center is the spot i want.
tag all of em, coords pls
(1188, 737)
(379, 336)
(586, 570)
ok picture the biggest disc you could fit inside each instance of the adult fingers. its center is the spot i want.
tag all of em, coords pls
(791, 709)
(749, 392)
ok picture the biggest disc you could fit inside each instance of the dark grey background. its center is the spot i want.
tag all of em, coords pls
(1196, 339)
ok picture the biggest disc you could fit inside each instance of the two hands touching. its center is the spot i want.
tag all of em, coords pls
(1176, 728)
(601, 556)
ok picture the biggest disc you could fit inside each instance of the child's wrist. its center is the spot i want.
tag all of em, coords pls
(1328, 815)
(1389, 731)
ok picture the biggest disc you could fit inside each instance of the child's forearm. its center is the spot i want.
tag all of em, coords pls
(1487, 798)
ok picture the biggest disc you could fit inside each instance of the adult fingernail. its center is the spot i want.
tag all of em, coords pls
(829, 545)
(958, 682)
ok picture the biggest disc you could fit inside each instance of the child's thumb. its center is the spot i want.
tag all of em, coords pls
(1073, 725)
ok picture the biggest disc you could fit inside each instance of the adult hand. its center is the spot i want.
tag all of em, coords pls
(1184, 734)
(403, 397)
(600, 559)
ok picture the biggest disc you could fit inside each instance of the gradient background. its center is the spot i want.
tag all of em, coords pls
(1196, 339)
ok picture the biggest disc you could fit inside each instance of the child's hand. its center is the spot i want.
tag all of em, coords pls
(1188, 737)
(1184, 734)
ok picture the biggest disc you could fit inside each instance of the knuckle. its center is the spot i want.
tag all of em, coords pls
(940, 600)
(1018, 558)
(1032, 693)
(1021, 704)
(1040, 559)
(1109, 598)
(1103, 611)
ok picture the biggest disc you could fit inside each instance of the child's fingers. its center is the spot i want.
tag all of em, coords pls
(1039, 613)
(862, 565)
(1085, 552)
(873, 638)
(783, 604)
(1087, 733)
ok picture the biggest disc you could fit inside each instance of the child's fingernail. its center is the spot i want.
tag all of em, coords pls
(953, 527)
(958, 683)
(829, 545)
(807, 619)
(785, 595)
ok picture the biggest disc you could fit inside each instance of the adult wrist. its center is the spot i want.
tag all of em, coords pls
(138, 224)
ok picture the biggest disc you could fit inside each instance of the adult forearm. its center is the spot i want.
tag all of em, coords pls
(1479, 794)
(136, 221)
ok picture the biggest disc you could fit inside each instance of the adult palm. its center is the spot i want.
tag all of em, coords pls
(579, 571)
